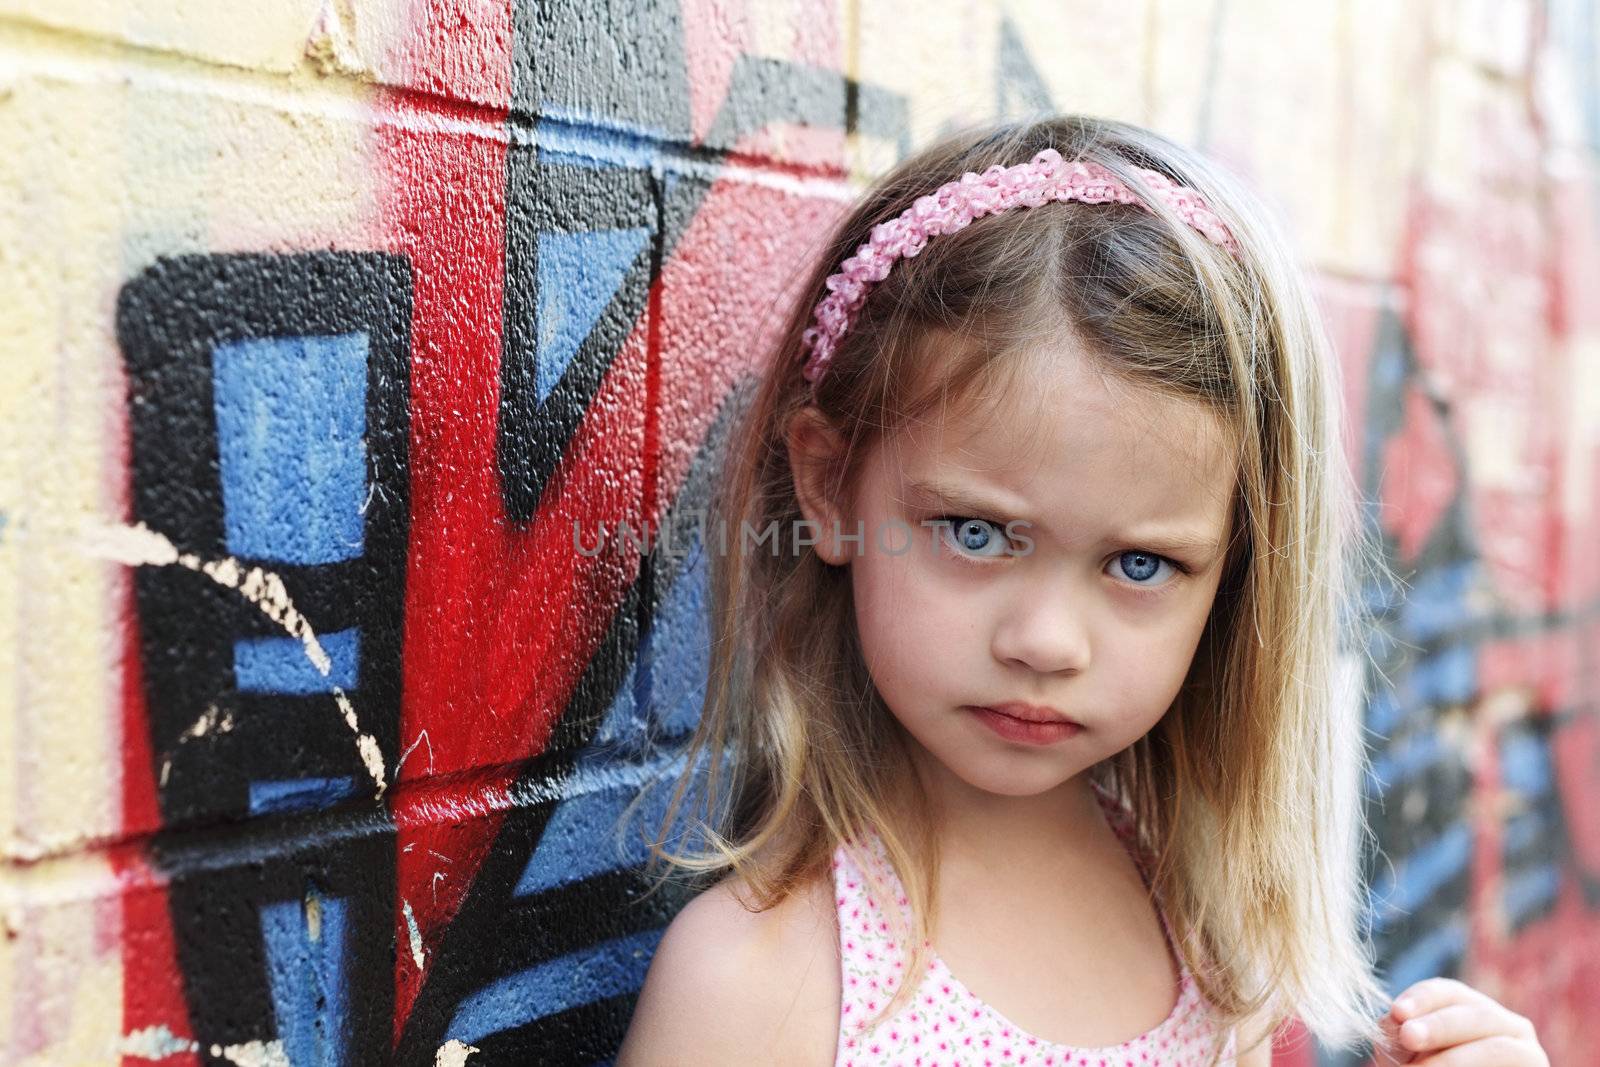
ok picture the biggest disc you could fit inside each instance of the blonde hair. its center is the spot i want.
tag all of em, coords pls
(1246, 793)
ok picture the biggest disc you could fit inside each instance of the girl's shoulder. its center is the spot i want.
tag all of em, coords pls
(730, 984)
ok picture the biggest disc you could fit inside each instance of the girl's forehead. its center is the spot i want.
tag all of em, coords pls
(1067, 439)
(1060, 396)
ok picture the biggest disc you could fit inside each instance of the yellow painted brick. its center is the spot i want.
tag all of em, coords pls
(1384, 65)
(260, 36)
(1494, 35)
(1276, 111)
(1178, 52)
(1090, 56)
(1075, 58)
(918, 66)
(1478, 135)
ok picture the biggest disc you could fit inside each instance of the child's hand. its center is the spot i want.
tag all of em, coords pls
(1440, 1022)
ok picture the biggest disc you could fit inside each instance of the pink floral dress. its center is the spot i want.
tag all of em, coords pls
(946, 1025)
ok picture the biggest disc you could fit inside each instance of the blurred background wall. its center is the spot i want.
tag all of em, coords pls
(325, 320)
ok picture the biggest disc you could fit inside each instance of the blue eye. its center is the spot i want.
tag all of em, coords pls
(1141, 566)
(973, 537)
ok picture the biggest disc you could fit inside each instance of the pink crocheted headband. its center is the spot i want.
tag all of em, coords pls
(955, 204)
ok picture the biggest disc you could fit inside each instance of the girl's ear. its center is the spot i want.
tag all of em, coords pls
(814, 451)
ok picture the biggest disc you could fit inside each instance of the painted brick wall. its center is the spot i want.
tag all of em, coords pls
(326, 319)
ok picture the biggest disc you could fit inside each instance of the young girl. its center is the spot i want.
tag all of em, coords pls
(1029, 575)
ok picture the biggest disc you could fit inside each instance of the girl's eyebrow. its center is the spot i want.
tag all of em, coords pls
(1177, 542)
(957, 498)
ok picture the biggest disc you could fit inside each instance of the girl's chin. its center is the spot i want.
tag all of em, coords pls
(1008, 781)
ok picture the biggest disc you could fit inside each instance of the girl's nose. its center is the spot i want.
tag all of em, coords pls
(1045, 630)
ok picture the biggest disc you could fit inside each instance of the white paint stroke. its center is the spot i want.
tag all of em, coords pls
(159, 1042)
(600, 778)
(212, 719)
(138, 545)
(313, 916)
(414, 934)
(421, 737)
(253, 1054)
(155, 1043)
(454, 1053)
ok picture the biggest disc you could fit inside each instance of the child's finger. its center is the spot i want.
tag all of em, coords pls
(1453, 1024)
(1490, 1052)
(1391, 1051)
(1431, 994)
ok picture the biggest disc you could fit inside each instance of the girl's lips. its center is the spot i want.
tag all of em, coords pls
(1030, 712)
(1033, 733)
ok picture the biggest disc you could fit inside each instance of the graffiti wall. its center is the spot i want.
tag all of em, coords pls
(326, 320)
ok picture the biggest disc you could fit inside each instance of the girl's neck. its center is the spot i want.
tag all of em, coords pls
(1000, 832)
